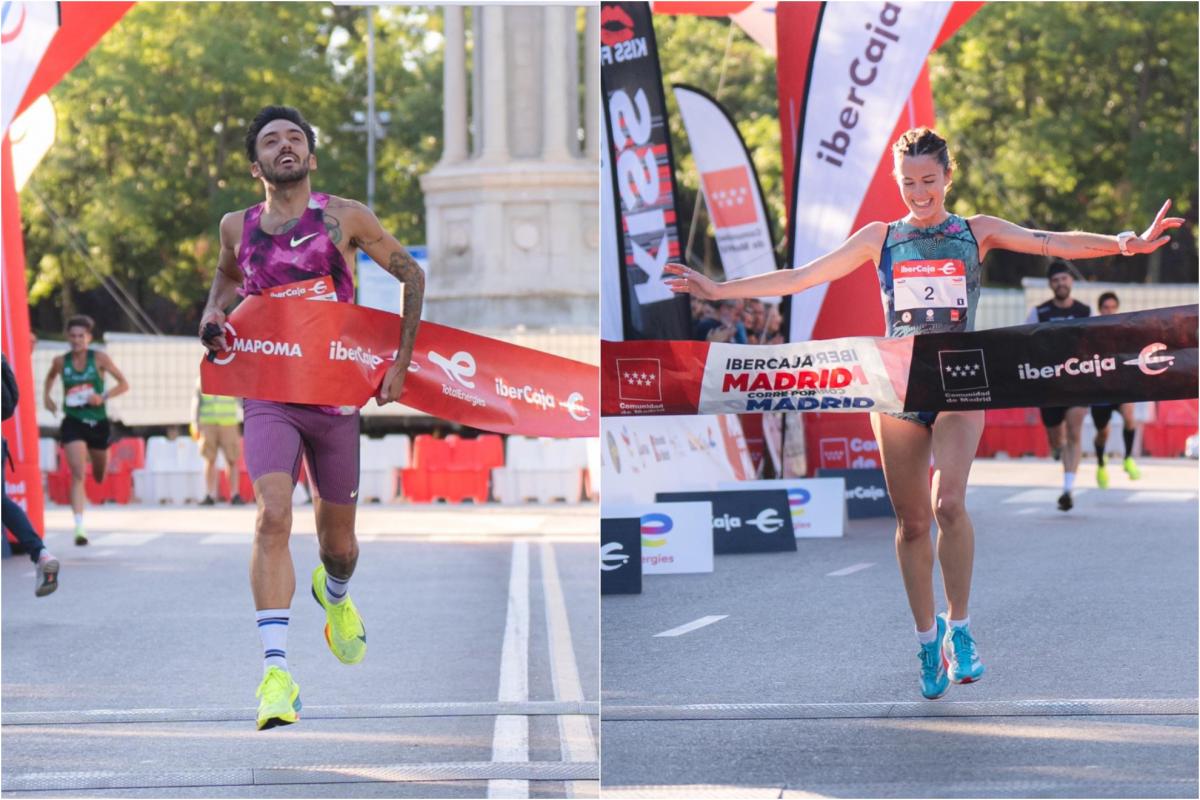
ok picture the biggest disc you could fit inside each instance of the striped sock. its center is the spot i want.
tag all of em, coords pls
(335, 588)
(272, 630)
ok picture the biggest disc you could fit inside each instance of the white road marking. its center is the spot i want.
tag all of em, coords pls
(1161, 497)
(1041, 496)
(510, 737)
(1030, 510)
(693, 625)
(228, 538)
(124, 539)
(574, 732)
(850, 570)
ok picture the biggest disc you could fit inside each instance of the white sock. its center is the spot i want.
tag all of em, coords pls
(335, 588)
(45, 556)
(960, 623)
(78, 521)
(272, 630)
(925, 637)
(1068, 481)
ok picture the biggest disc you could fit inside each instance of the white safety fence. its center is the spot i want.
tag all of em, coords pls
(545, 470)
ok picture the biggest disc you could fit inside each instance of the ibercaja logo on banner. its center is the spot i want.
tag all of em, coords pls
(754, 521)
(836, 375)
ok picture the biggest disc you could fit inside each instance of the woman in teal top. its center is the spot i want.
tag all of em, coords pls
(85, 429)
(916, 301)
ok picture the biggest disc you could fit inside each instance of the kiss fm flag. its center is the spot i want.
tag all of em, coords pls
(292, 350)
(1119, 358)
(730, 185)
(642, 172)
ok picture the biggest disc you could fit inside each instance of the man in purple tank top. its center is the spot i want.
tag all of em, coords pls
(299, 235)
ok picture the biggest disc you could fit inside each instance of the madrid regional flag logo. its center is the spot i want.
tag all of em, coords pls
(641, 379)
(730, 200)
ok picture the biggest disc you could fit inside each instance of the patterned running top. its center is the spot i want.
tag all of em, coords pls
(305, 252)
(929, 278)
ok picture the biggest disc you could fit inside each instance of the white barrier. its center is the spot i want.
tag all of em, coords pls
(378, 461)
(543, 470)
(174, 472)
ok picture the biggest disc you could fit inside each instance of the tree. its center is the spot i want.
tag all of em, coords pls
(150, 149)
(1061, 116)
(1075, 116)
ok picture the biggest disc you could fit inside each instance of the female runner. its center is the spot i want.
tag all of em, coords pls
(923, 172)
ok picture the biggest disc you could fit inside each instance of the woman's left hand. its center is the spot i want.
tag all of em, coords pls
(1155, 236)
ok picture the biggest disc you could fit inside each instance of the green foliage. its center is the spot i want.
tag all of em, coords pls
(1072, 115)
(151, 125)
(692, 51)
(1063, 116)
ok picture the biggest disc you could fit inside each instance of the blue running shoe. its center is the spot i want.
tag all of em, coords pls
(934, 678)
(958, 649)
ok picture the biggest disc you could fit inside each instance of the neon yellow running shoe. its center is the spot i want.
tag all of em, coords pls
(344, 630)
(1102, 477)
(279, 699)
(1131, 469)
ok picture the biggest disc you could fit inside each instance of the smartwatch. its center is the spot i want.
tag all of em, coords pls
(1123, 241)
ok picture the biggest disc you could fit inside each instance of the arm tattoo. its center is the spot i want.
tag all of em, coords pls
(334, 228)
(1045, 237)
(405, 268)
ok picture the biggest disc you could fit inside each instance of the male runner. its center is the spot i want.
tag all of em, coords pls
(1109, 304)
(1062, 307)
(295, 235)
(85, 430)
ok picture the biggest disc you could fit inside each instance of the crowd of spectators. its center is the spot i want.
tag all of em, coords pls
(737, 321)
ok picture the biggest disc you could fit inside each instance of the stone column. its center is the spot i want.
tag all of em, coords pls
(591, 93)
(494, 85)
(454, 88)
(558, 85)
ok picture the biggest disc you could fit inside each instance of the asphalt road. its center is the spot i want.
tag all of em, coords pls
(807, 684)
(137, 677)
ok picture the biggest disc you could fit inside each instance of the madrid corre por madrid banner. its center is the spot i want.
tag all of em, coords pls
(1120, 358)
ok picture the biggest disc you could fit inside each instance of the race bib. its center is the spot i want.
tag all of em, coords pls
(314, 289)
(926, 292)
(78, 395)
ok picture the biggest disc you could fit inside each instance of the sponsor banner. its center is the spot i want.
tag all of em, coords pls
(643, 172)
(26, 33)
(336, 354)
(677, 538)
(24, 479)
(866, 492)
(754, 521)
(639, 457)
(1118, 358)
(866, 58)
(817, 504)
(837, 441)
(612, 243)
(730, 186)
(620, 555)
(860, 374)
(839, 374)
(824, 42)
